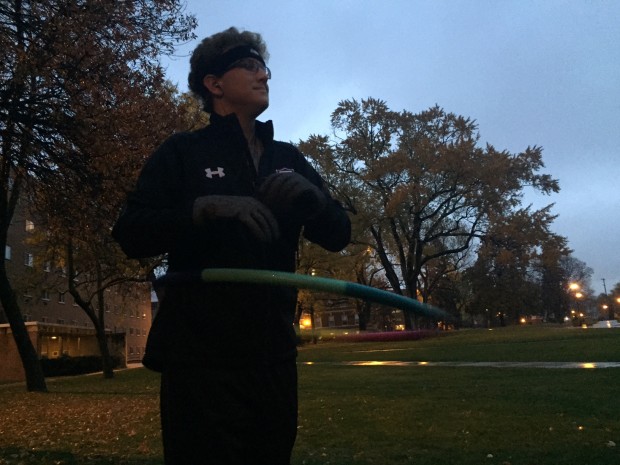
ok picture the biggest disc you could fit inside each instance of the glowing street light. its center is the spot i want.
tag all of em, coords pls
(578, 296)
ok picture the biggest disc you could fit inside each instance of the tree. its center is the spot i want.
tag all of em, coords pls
(316, 261)
(79, 219)
(368, 272)
(64, 64)
(577, 286)
(419, 180)
(615, 301)
(442, 283)
(356, 263)
(554, 280)
(508, 274)
(454, 294)
(577, 272)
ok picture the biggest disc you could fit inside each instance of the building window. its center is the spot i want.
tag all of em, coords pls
(28, 259)
(60, 321)
(61, 297)
(29, 226)
(7, 252)
(45, 295)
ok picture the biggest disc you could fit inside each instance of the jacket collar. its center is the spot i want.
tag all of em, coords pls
(264, 130)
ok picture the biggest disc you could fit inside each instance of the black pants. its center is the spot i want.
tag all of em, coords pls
(232, 416)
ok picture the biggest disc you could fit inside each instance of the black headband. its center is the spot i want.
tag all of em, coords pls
(221, 63)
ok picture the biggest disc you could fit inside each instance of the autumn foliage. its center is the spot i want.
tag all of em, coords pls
(425, 195)
(83, 100)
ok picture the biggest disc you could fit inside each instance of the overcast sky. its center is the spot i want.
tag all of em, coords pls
(543, 73)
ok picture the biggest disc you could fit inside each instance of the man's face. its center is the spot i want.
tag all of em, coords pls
(244, 87)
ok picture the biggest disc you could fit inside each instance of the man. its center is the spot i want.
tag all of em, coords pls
(228, 196)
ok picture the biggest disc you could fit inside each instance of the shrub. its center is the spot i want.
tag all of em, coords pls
(68, 366)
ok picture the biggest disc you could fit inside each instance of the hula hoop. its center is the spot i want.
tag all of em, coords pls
(335, 286)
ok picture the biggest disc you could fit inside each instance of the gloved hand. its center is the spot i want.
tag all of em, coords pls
(249, 211)
(291, 194)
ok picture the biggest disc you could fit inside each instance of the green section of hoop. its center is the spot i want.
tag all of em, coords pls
(334, 286)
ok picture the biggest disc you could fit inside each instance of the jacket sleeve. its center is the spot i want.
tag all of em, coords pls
(331, 229)
(155, 216)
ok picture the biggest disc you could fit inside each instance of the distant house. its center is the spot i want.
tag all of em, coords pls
(336, 313)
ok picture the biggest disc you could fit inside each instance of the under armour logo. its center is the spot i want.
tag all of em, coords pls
(219, 172)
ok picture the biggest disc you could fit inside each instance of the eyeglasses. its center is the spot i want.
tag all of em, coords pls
(252, 65)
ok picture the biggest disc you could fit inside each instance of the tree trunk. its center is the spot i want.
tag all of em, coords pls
(106, 358)
(97, 318)
(299, 309)
(363, 312)
(363, 324)
(35, 380)
(314, 338)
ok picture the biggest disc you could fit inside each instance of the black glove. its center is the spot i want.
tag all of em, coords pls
(292, 194)
(249, 211)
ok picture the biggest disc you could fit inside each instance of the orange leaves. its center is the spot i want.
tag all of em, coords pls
(422, 188)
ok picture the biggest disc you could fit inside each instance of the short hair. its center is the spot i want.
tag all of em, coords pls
(209, 50)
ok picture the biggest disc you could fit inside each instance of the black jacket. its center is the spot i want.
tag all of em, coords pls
(220, 322)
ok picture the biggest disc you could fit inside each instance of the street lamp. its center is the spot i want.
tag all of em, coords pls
(572, 288)
(579, 313)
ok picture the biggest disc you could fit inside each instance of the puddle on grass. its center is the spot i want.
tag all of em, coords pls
(396, 363)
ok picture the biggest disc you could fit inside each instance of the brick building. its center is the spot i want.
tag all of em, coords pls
(56, 324)
(335, 312)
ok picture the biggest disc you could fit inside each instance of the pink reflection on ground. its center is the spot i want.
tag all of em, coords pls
(397, 363)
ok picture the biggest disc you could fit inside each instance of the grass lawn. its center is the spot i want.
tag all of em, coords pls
(83, 420)
(385, 415)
